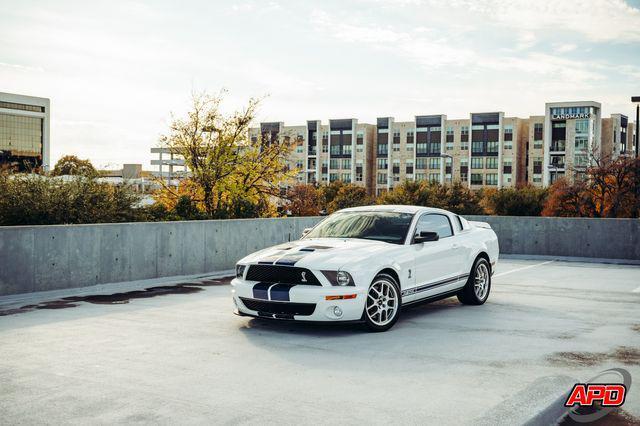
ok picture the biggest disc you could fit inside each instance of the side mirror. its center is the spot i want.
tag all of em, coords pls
(425, 236)
(305, 231)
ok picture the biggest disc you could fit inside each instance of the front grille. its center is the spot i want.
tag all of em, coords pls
(281, 274)
(280, 308)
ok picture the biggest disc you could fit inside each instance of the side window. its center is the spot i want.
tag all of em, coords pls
(435, 223)
(460, 227)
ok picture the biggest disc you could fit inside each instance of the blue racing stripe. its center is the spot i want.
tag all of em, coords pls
(280, 292)
(260, 291)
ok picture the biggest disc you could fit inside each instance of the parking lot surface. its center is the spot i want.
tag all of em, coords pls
(181, 357)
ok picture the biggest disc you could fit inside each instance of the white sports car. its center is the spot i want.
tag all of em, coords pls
(367, 263)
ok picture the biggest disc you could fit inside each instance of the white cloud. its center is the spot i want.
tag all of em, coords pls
(564, 47)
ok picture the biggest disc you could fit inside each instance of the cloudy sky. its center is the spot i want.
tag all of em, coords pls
(116, 70)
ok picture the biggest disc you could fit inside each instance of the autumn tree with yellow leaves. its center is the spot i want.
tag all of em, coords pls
(230, 174)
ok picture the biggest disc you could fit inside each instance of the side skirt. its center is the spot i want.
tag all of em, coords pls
(433, 298)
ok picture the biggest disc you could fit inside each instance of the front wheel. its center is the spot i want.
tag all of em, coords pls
(476, 290)
(382, 308)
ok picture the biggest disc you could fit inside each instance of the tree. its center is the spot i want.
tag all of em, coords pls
(566, 199)
(72, 165)
(349, 195)
(303, 200)
(40, 200)
(455, 197)
(522, 201)
(227, 168)
(611, 188)
(328, 192)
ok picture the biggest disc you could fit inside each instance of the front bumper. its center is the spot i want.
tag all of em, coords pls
(302, 298)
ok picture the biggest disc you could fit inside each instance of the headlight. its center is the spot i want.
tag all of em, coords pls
(339, 278)
(240, 270)
(343, 278)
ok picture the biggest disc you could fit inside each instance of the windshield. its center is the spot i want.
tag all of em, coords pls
(389, 227)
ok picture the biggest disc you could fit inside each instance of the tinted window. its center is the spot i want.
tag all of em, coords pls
(435, 223)
(382, 226)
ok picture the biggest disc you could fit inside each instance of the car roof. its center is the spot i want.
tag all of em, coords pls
(395, 209)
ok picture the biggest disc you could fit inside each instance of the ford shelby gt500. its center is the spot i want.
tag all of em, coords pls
(366, 264)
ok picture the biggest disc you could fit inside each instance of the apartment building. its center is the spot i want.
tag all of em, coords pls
(487, 149)
(24, 131)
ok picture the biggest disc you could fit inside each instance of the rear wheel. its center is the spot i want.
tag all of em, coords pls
(383, 304)
(476, 290)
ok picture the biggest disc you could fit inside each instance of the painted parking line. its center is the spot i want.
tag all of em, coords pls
(523, 268)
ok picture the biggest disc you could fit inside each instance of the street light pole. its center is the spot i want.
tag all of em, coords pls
(636, 99)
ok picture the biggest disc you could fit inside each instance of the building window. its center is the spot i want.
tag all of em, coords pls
(581, 143)
(582, 126)
(434, 177)
(409, 146)
(537, 144)
(476, 178)
(491, 178)
(434, 163)
(383, 149)
(580, 160)
(508, 133)
(346, 177)
(507, 166)
(477, 147)
(396, 147)
(333, 177)
(382, 178)
(421, 163)
(409, 167)
(477, 163)
(346, 163)
(448, 146)
(492, 163)
(333, 163)
(492, 147)
(383, 164)
(537, 131)
(537, 166)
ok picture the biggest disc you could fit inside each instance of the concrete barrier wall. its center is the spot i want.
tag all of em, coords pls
(567, 236)
(38, 258)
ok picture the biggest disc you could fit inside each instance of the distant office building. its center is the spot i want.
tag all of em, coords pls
(24, 131)
(487, 149)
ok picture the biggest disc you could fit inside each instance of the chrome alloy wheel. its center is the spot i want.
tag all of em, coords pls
(481, 281)
(382, 302)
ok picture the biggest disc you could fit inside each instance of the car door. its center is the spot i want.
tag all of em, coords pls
(437, 263)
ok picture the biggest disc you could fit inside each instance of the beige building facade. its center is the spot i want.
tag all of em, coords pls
(485, 150)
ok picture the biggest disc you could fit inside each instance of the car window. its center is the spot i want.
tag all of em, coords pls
(435, 223)
(390, 227)
(460, 227)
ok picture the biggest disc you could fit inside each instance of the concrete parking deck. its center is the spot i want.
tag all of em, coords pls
(183, 358)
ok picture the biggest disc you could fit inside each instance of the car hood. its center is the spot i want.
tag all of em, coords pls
(319, 253)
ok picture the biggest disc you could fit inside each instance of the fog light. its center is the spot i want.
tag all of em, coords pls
(337, 311)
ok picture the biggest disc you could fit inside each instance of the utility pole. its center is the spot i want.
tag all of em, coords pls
(636, 99)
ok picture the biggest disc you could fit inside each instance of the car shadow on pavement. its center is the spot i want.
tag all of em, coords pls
(339, 329)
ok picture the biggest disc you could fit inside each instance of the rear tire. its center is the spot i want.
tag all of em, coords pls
(383, 303)
(476, 290)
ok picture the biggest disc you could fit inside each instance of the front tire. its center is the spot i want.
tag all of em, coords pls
(383, 304)
(476, 290)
